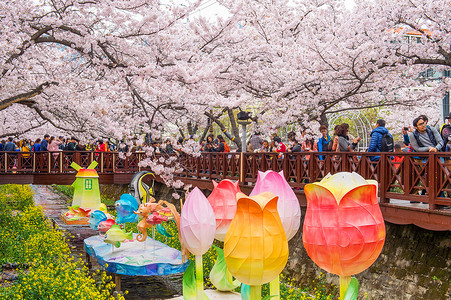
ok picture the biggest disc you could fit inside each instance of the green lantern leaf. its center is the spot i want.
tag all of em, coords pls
(189, 283)
(220, 276)
(269, 297)
(245, 292)
(352, 290)
(161, 230)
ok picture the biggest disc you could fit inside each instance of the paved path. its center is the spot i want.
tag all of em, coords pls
(53, 204)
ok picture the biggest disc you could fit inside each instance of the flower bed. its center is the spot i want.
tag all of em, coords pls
(45, 267)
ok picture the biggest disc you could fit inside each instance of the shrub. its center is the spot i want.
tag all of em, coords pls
(48, 269)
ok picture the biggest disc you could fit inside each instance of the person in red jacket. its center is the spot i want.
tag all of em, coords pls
(101, 146)
(278, 145)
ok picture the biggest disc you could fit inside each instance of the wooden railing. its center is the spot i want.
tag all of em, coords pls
(60, 161)
(422, 177)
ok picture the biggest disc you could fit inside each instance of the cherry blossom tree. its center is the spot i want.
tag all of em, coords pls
(117, 68)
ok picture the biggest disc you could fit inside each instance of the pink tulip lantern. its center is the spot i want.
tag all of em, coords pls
(197, 228)
(287, 207)
(223, 202)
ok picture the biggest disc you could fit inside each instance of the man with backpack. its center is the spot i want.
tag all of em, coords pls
(425, 138)
(381, 140)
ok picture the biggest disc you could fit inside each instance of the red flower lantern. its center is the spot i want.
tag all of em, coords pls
(344, 230)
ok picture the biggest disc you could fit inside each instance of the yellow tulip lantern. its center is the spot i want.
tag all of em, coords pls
(255, 246)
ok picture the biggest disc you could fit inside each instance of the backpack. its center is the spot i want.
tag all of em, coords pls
(387, 144)
(430, 134)
(226, 148)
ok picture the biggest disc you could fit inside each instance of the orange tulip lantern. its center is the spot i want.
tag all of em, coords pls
(255, 246)
(344, 231)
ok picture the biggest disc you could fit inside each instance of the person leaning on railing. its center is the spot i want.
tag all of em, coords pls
(325, 142)
(26, 148)
(425, 139)
(343, 144)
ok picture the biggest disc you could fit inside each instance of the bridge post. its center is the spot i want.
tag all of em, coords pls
(49, 160)
(34, 162)
(114, 162)
(344, 162)
(311, 168)
(210, 164)
(407, 174)
(432, 170)
(139, 160)
(101, 162)
(383, 178)
(242, 175)
(6, 162)
(61, 161)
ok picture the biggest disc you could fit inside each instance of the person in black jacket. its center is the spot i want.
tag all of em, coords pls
(208, 145)
(45, 143)
(219, 146)
(296, 147)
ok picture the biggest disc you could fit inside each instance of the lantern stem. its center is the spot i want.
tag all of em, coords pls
(229, 275)
(256, 292)
(199, 278)
(274, 288)
(344, 283)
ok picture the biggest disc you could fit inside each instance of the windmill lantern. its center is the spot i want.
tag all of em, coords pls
(86, 187)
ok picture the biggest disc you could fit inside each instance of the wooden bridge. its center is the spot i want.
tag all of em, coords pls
(420, 177)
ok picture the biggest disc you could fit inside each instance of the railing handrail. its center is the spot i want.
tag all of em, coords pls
(418, 171)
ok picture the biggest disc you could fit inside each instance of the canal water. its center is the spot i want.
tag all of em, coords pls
(138, 287)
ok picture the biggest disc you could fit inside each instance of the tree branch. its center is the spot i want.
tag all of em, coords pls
(24, 98)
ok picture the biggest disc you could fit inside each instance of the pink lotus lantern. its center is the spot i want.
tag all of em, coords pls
(288, 204)
(223, 202)
(197, 228)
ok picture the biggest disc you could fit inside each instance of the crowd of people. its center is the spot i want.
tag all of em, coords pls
(51, 143)
(420, 138)
(54, 144)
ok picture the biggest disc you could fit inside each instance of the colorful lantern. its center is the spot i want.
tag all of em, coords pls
(95, 218)
(197, 223)
(86, 187)
(344, 230)
(104, 226)
(115, 236)
(288, 204)
(197, 228)
(125, 207)
(256, 247)
(223, 201)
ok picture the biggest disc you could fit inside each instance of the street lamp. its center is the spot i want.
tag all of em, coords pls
(243, 119)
